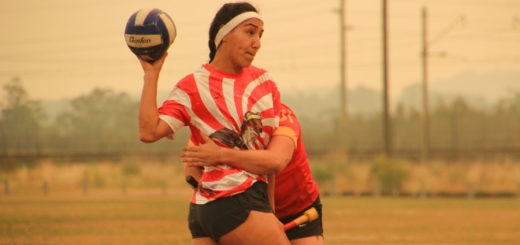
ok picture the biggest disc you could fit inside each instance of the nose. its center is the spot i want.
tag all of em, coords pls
(257, 43)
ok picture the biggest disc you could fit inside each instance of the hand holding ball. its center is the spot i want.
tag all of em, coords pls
(149, 33)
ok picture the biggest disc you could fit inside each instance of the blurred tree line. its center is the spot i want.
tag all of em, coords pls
(456, 130)
(105, 122)
(101, 122)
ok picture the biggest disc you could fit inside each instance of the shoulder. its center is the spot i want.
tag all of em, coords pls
(188, 82)
(288, 118)
(286, 109)
(184, 87)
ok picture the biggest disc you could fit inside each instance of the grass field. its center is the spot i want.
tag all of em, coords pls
(147, 216)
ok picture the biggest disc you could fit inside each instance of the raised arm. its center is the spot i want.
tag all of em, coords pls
(269, 161)
(151, 128)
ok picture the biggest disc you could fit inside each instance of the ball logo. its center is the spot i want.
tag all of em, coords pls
(137, 40)
(143, 41)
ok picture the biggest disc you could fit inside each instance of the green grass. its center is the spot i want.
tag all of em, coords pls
(148, 217)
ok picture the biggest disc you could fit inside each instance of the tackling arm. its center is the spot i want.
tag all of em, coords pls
(269, 161)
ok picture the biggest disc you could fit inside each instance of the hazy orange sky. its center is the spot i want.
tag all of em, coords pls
(62, 49)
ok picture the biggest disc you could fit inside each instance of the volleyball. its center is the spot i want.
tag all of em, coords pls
(149, 33)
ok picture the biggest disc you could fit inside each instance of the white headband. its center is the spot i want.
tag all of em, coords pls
(228, 27)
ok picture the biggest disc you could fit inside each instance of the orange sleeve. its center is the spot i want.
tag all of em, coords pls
(283, 130)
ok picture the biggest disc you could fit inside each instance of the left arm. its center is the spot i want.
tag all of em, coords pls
(269, 161)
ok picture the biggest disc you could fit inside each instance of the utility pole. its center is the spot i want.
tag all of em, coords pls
(425, 54)
(386, 112)
(343, 62)
(343, 114)
(425, 151)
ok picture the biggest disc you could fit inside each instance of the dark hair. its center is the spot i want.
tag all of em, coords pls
(227, 12)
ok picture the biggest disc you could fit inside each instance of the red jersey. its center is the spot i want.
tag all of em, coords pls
(236, 110)
(295, 188)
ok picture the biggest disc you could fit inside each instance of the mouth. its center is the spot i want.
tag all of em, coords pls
(250, 54)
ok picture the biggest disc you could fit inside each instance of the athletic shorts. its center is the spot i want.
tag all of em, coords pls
(314, 228)
(216, 218)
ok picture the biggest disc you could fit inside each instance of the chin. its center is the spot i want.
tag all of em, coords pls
(247, 63)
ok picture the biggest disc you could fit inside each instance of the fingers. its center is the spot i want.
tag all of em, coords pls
(155, 66)
(205, 138)
(198, 164)
(194, 162)
(144, 63)
(191, 160)
(190, 156)
(164, 56)
(161, 60)
(190, 148)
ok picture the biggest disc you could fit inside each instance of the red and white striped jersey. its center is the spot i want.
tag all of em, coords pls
(214, 103)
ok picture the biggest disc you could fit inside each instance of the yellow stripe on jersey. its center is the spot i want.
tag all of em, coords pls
(282, 130)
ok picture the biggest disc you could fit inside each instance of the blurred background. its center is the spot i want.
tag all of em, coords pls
(409, 98)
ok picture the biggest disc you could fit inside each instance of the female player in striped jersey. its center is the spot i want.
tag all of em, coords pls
(231, 205)
(295, 191)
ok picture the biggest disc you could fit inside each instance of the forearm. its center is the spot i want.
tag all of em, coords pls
(255, 161)
(150, 126)
(149, 122)
(269, 161)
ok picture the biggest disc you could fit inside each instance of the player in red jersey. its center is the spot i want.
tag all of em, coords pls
(237, 105)
(295, 191)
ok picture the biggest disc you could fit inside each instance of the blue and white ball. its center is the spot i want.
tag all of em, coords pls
(149, 33)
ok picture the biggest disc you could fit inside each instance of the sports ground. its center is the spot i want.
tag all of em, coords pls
(151, 216)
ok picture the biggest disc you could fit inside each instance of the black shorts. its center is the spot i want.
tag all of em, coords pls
(218, 217)
(314, 228)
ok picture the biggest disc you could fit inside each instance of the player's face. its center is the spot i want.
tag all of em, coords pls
(245, 42)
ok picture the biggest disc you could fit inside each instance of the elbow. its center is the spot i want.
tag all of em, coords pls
(146, 138)
(278, 165)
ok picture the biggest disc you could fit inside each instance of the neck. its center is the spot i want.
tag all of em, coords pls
(225, 64)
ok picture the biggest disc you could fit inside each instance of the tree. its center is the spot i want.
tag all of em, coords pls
(99, 121)
(19, 119)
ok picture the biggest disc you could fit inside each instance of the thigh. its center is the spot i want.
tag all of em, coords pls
(203, 241)
(259, 228)
(314, 240)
